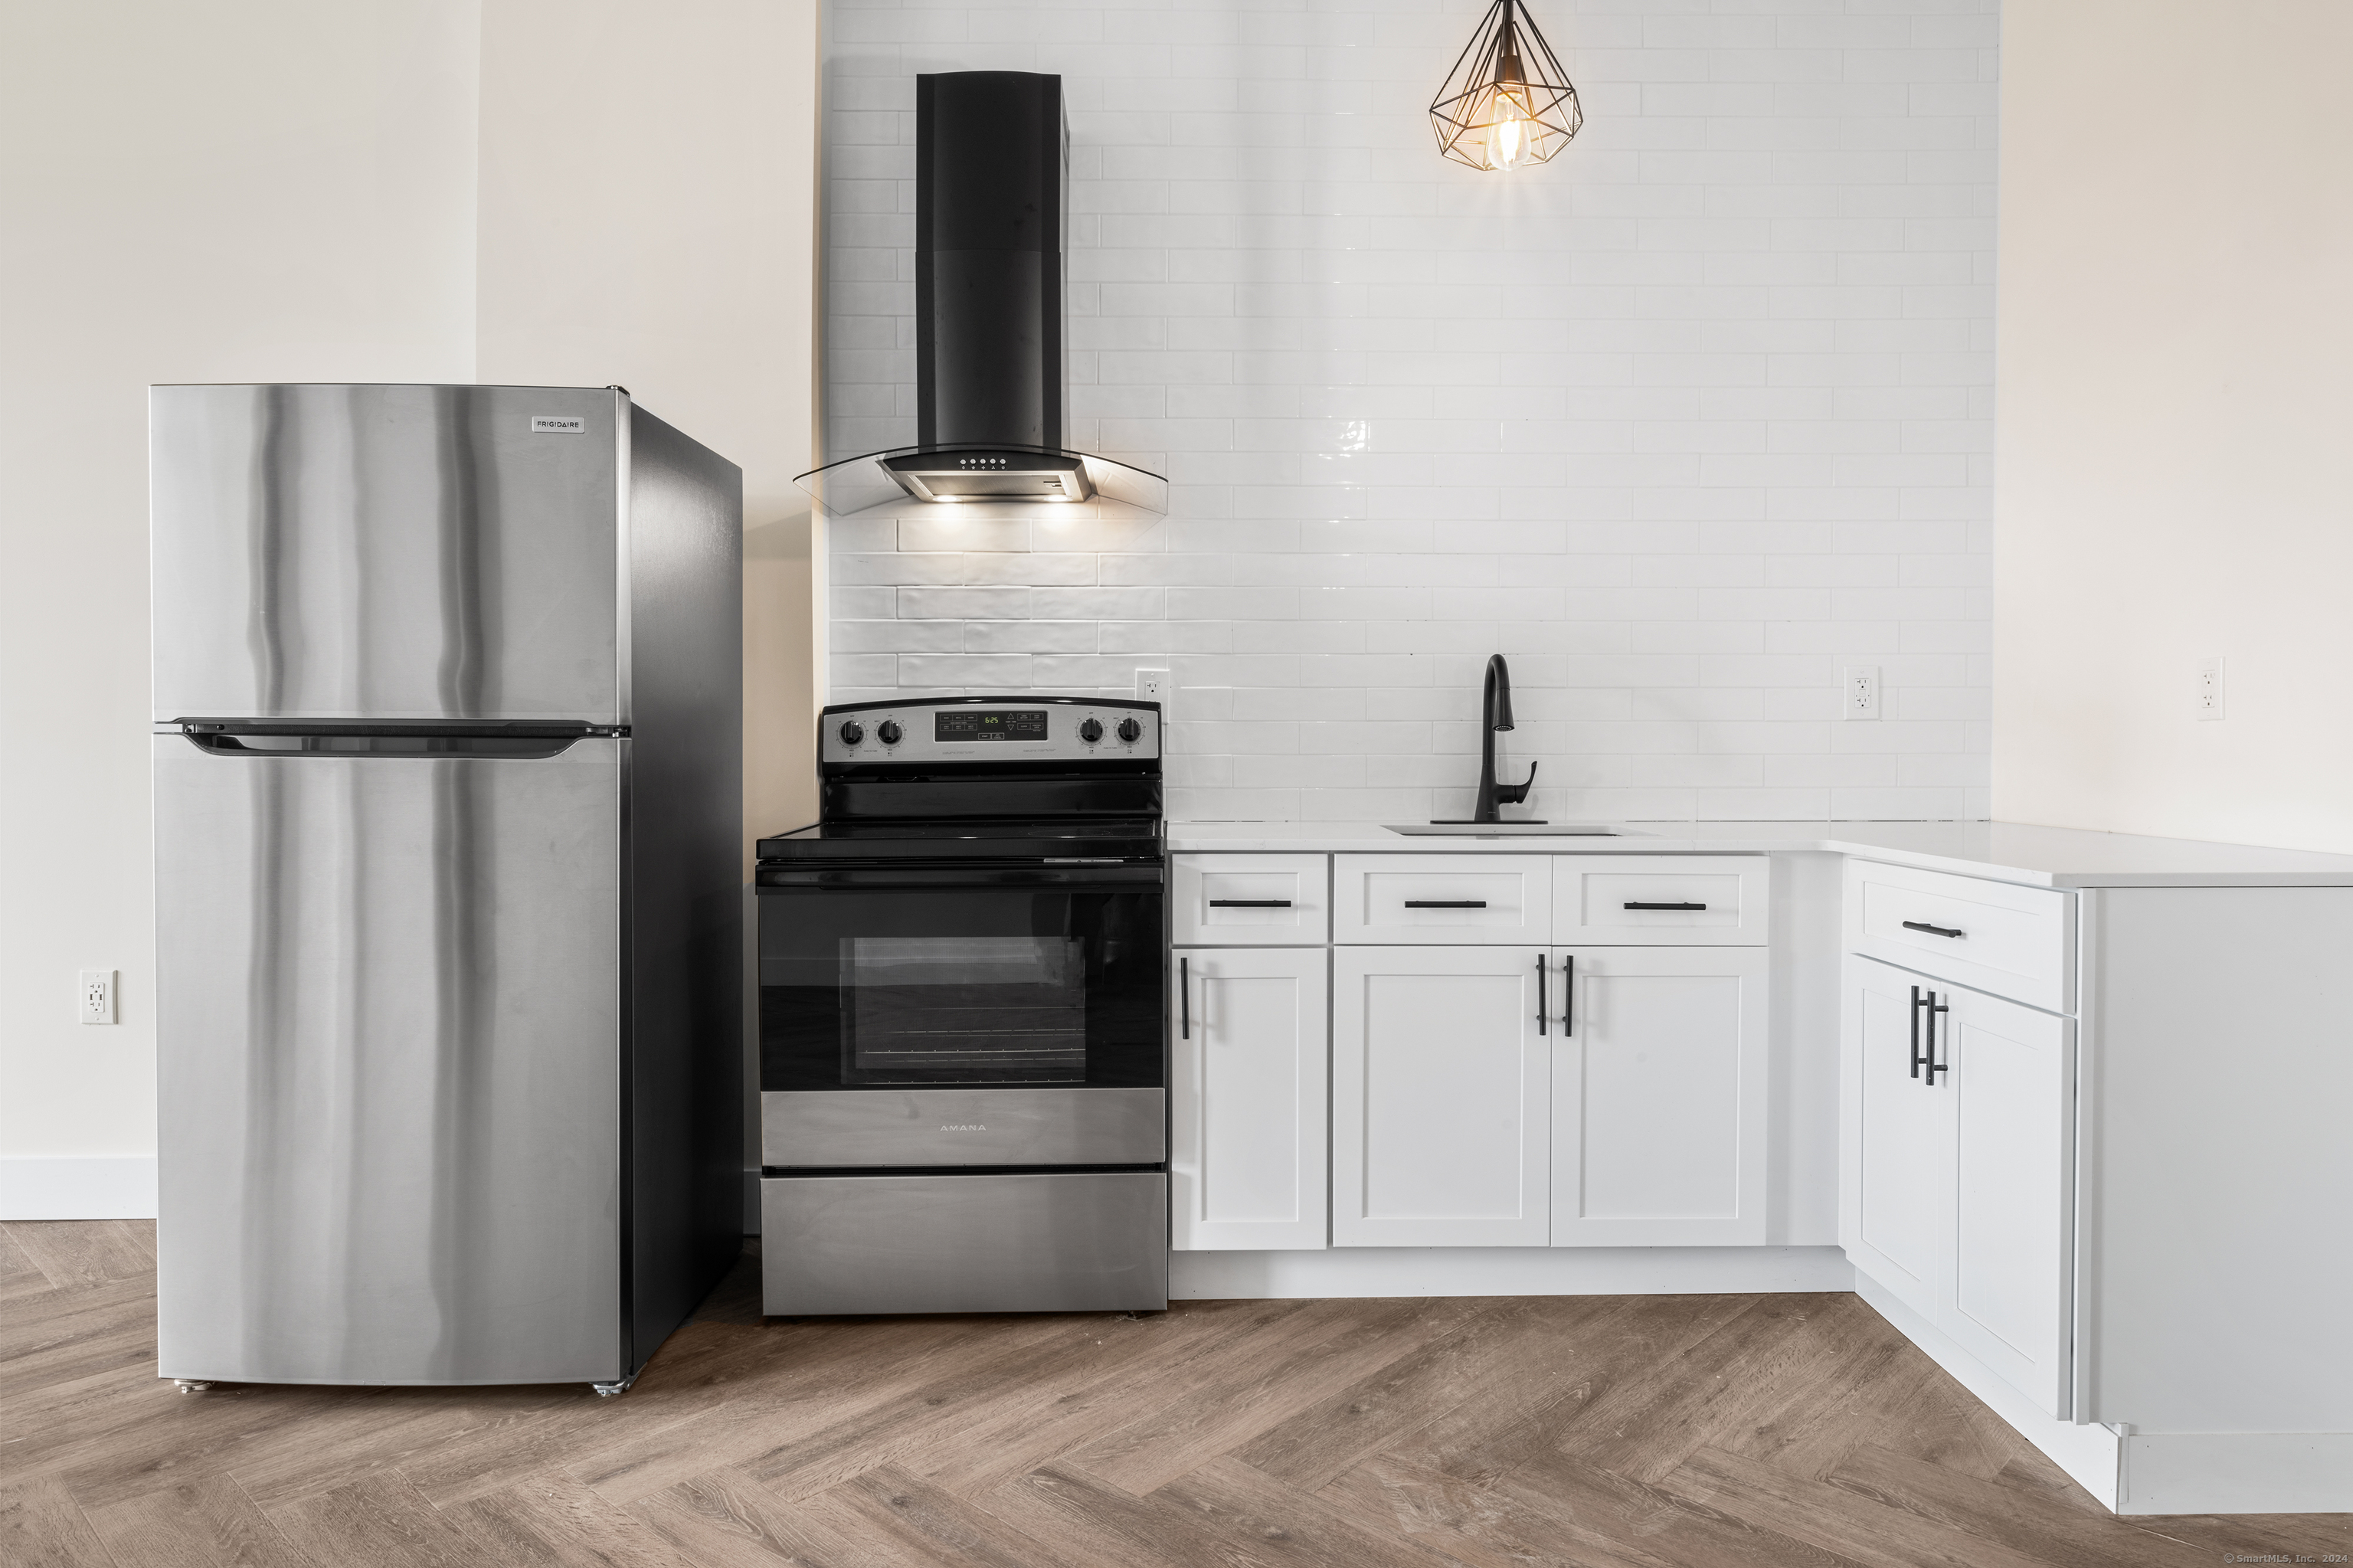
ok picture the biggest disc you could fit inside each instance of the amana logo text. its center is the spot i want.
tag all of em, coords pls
(964, 1127)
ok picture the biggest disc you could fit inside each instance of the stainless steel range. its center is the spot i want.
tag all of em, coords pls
(963, 984)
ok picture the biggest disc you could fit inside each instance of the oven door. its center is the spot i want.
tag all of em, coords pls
(962, 1016)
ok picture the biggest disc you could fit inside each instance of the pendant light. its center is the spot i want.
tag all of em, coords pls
(1506, 103)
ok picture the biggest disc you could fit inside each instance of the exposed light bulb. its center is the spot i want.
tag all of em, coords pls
(1509, 136)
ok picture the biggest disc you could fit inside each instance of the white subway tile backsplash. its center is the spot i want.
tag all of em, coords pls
(1030, 636)
(1676, 421)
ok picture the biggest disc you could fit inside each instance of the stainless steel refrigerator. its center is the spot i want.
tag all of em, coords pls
(447, 878)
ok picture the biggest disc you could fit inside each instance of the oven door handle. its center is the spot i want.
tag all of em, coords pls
(1001, 876)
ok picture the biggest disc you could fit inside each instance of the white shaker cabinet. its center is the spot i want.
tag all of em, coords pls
(1659, 1103)
(1895, 1158)
(1247, 1155)
(2011, 1071)
(1428, 900)
(1251, 900)
(1442, 1097)
(1662, 900)
(1956, 1167)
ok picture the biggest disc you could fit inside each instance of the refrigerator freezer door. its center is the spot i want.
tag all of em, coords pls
(386, 551)
(390, 1063)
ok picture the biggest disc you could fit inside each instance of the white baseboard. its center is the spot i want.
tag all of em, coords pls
(1505, 1271)
(78, 1187)
(2090, 1454)
(2238, 1472)
(2152, 1472)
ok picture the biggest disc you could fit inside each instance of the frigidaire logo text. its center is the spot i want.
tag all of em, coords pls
(964, 1127)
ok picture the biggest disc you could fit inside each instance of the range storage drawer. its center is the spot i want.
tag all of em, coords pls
(2013, 941)
(1659, 900)
(1428, 900)
(1076, 1240)
(1251, 901)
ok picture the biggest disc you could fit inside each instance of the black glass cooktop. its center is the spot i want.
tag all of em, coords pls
(1123, 839)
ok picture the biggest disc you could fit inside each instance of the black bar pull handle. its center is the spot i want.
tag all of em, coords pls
(1935, 1066)
(1184, 992)
(1568, 994)
(1446, 903)
(1915, 1032)
(1543, 1006)
(1631, 904)
(1249, 903)
(1932, 930)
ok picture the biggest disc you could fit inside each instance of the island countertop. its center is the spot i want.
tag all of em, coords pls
(2007, 851)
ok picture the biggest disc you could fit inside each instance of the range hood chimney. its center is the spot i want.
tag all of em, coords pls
(992, 157)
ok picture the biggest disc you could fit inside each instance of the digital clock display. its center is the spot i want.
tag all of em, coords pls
(988, 724)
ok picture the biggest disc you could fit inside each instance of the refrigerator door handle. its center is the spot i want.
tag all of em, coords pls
(517, 746)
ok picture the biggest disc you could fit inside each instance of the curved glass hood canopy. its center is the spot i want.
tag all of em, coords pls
(975, 473)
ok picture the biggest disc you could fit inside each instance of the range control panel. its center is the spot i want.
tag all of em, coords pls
(989, 729)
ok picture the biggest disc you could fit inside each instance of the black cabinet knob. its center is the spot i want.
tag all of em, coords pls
(1091, 731)
(1130, 730)
(889, 732)
(852, 732)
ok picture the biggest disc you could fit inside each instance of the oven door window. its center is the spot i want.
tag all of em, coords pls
(908, 987)
(963, 1010)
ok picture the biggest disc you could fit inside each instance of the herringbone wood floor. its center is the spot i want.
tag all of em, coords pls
(1499, 1433)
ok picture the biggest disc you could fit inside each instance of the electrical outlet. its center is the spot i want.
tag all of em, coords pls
(96, 996)
(1155, 686)
(2209, 686)
(1858, 692)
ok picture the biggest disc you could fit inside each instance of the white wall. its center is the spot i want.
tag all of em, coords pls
(267, 190)
(647, 190)
(1675, 421)
(2177, 237)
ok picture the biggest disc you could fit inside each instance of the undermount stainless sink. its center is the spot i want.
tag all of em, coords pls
(1506, 829)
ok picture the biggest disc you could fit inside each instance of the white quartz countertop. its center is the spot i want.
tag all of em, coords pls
(2007, 851)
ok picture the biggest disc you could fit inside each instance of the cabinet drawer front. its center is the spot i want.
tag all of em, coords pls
(1659, 900)
(2013, 941)
(1251, 900)
(1442, 899)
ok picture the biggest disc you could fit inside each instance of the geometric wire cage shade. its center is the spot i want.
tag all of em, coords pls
(1506, 103)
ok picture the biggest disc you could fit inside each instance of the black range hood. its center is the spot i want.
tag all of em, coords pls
(992, 202)
(992, 209)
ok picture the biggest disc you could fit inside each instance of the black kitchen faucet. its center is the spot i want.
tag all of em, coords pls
(1495, 714)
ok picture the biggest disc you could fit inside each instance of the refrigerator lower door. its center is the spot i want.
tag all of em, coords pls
(390, 1059)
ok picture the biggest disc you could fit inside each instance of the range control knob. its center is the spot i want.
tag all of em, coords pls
(852, 732)
(888, 732)
(1130, 730)
(1091, 731)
